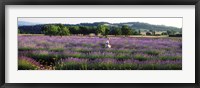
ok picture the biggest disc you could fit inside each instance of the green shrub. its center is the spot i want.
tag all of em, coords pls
(26, 65)
(170, 57)
(155, 53)
(140, 57)
(57, 49)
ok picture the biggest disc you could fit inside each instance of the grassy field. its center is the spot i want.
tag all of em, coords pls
(39, 52)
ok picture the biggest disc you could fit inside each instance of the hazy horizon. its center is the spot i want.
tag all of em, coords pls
(174, 22)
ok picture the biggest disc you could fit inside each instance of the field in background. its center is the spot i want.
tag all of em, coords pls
(39, 52)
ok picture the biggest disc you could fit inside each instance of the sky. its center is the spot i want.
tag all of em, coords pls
(175, 22)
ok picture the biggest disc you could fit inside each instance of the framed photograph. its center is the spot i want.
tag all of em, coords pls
(106, 43)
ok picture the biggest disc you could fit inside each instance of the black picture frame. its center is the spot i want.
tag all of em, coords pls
(99, 2)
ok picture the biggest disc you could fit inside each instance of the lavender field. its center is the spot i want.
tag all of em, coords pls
(39, 52)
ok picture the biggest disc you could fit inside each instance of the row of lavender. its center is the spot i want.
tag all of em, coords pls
(89, 53)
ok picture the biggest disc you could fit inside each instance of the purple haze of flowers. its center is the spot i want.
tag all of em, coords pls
(83, 49)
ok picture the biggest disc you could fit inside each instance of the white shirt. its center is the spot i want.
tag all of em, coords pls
(107, 42)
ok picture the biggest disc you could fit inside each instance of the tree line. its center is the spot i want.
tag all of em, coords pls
(100, 29)
(61, 30)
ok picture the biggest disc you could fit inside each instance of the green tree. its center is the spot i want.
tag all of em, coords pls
(63, 31)
(153, 32)
(170, 32)
(102, 29)
(139, 32)
(19, 31)
(51, 30)
(126, 30)
(84, 29)
(107, 31)
(164, 33)
(74, 29)
(54, 30)
(116, 31)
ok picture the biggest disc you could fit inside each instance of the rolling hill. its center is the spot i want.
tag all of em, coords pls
(35, 28)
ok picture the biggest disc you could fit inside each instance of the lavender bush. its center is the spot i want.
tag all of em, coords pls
(88, 53)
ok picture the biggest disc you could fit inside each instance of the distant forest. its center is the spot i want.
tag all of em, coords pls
(103, 28)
